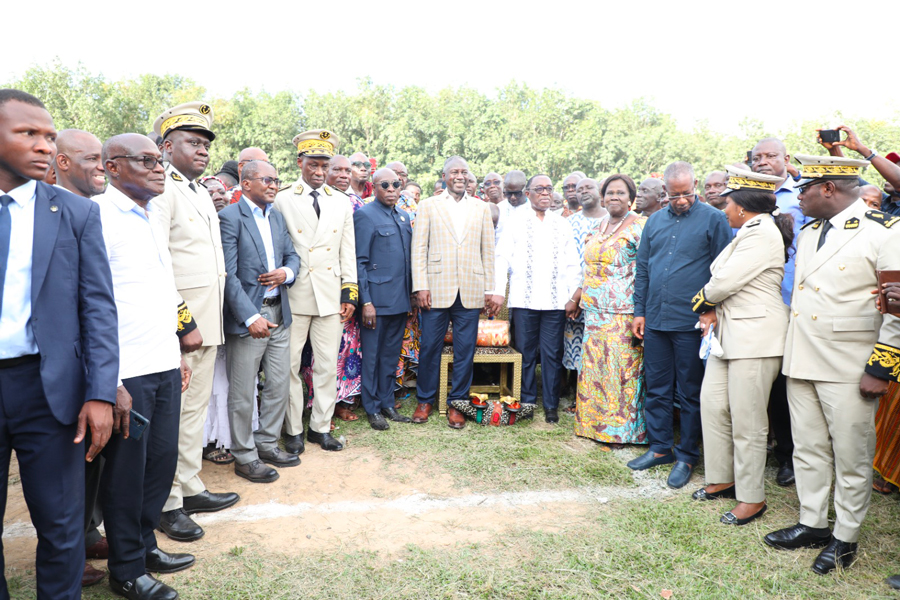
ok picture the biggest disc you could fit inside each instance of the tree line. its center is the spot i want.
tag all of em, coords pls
(519, 127)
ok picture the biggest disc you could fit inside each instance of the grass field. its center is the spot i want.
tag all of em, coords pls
(635, 544)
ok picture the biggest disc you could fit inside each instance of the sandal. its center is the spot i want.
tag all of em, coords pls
(345, 413)
(219, 456)
(570, 410)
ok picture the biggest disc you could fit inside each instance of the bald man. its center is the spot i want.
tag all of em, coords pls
(400, 169)
(359, 177)
(871, 195)
(339, 174)
(244, 156)
(568, 186)
(651, 196)
(713, 188)
(77, 163)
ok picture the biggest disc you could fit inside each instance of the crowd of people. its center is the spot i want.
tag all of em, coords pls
(159, 317)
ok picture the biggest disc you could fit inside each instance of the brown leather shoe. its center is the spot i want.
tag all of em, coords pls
(343, 412)
(455, 419)
(98, 550)
(423, 411)
(91, 576)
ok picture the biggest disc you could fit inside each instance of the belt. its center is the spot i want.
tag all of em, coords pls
(8, 363)
(272, 301)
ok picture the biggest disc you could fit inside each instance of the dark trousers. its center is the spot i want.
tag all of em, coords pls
(540, 334)
(380, 353)
(667, 352)
(780, 422)
(139, 473)
(51, 468)
(431, 344)
(93, 515)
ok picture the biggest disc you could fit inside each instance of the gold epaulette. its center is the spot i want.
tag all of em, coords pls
(882, 217)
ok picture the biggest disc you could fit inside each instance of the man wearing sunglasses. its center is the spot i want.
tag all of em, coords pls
(453, 273)
(190, 227)
(257, 321)
(383, 266)
(359, 177)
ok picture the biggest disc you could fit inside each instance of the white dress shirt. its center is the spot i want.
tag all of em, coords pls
(16, 335)
(265, 232)
(540, 259)
(459, 211)
(143, 285)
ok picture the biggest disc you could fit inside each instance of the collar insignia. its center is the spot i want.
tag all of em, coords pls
(851, 223)
(176, 176)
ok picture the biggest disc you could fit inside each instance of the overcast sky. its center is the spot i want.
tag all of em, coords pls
(715, 60)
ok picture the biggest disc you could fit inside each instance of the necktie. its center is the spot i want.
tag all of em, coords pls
(826, 225)
(192, 186)
(315, 197)
(5, 233)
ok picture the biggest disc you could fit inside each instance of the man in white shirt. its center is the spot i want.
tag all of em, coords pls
(139, 472)
(537, 251)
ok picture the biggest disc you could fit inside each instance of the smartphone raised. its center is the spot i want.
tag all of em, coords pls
(830, 136)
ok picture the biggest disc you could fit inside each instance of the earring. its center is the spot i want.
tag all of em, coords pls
(741, 214)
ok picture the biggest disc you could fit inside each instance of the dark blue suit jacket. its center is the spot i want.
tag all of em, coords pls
(383, 266)
(245, 260)
(73, 310)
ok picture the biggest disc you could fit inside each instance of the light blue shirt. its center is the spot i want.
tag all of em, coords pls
(16, 335)
(265, 232)
(786, 198)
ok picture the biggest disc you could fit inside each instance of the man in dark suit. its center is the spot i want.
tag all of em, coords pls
(261, 262)
(59, 352)
(384, 273)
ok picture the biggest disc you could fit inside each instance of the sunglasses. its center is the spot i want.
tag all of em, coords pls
(149, 162)
(361, 165)
(508, 193)
(386, 185)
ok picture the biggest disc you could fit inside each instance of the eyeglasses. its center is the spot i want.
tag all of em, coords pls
(361, 165)
(267, 181)
(511, 194)
(492, 183)
(149, 162)
(198, 143)
(680, 196)
(386, 185)
(542, 189)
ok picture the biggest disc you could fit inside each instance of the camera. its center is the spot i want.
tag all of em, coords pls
(830, 136)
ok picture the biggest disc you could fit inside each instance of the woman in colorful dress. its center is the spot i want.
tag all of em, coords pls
(609, 405)
(409, 352)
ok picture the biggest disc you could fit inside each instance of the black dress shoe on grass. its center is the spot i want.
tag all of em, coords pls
(702, 494)
(798, 536)
(256, 471)
(649, 459)
(680, 475)
(179, 526)
(729, 518)
(158, 561)
(392, 414)
(836, 554)
(551, 415)
(293, 443)
(279, 457)
(145, 587)
(378, 422)
(207, 501)
(785, 476)
(326, 440)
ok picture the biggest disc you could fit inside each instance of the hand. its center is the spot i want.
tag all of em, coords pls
(186, 374)
(707, 320)
(828, 146)
(260, 328)
(191, 342)
(871, 387)
(99, 416)
(496, 303)
(273, 279)
(852, 142)
(122, 412)
(347, 311)
(424, 299)
(572, 310)
(792, 170)
(637, 327)
(368, 316)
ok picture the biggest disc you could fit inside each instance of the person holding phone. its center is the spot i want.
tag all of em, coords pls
(742, 303)
(139, 472)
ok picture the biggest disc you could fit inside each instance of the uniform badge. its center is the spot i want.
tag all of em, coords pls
(204, 109)
(299, 189)
(176, 176)
(402, 219)
(881, 217)
(326, 188)
(816, 224)
(851, 223)
(325, 135)
(54, 208)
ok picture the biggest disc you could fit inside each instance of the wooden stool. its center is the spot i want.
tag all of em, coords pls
(503, 356)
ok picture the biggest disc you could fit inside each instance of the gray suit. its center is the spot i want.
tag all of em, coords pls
(246, 258)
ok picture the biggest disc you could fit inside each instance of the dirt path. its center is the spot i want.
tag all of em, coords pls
(351, 501)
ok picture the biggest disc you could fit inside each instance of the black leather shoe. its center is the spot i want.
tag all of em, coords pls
(158, 561)
(207, 501)
(325, 440)
(179, 526)
(729, 518)
(836, 554)
(293, 443)
(378, 422)
(702, 494)
(893, 581)
(145, 587)
(257, 472)
(649, 459)
(680, 475)
(785, 475)
(279, 457)
(392, 414)
(551, 415)
(798, 536)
